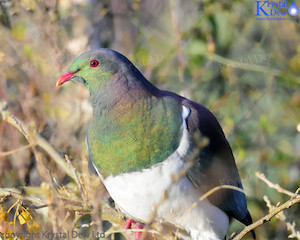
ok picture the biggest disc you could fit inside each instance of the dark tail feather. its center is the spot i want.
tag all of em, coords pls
(247, 221)
(253, 234)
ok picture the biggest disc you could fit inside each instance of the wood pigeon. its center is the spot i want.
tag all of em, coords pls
(140, 137)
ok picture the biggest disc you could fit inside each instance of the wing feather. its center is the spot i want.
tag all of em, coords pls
(215, 164)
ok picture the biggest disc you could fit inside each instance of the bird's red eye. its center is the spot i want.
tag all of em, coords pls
(94, 63)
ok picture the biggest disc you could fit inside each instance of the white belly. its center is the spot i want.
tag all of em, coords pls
(138, 193)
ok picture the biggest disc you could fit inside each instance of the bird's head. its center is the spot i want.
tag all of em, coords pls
(94, 69)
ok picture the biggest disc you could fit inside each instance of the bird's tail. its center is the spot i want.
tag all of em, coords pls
(253, 234)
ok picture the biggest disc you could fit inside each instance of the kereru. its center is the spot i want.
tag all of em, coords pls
(140, 137)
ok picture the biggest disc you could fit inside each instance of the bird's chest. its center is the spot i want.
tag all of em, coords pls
(133, 137)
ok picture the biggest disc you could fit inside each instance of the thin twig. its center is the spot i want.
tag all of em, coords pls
(235, 64)
(83, 196)
(268, 217)
(274, 210)
(274, 186)
(17, 194)
(204, 196)
(4, 154)
(248, 66)
(26, 194)
(290, 226)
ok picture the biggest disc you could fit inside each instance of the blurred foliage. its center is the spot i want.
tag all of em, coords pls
(247, 72)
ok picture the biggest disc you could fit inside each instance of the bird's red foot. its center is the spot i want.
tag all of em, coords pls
(138, 226)
(129, 222)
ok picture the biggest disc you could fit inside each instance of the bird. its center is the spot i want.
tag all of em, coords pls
(140, 138)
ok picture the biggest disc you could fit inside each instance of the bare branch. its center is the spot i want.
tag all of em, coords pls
(79, 183)
(290, 226)
(4, 154)
(275, 186)
(18, 194)
(268, 217)
(273, 210)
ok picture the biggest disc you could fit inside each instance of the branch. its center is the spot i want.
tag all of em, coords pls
(268, 217)
(34, 138)
(18, 194)
(275, 186)
(248, 67)
(4, 154)
(273, 210)
(79, 183)
(204, 196)
(26, 194)
(290, 226)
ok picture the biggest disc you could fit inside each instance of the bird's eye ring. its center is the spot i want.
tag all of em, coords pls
(94, 63)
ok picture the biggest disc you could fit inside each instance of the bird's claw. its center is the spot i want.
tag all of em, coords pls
(138, 226)
(129, 222)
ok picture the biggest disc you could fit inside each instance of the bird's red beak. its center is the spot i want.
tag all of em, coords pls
(66, 77)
